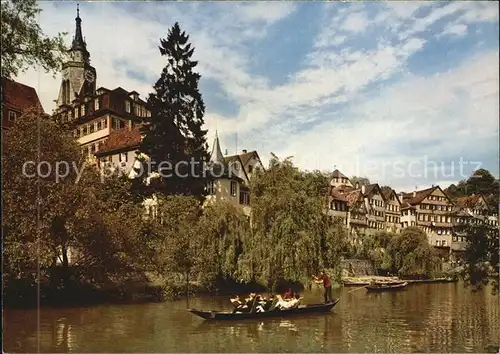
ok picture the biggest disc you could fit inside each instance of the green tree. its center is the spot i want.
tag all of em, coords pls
(412, 254)
(481, 182)
(223, 229)
(481, 256)
(174, 133)
(290, 237)
(23, 42)
(178, 245)
(363, 181)
(316, 184)
(67, 224)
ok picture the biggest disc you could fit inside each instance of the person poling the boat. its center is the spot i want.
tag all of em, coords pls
(323, 278)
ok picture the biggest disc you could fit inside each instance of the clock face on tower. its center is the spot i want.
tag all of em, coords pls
(89, 76)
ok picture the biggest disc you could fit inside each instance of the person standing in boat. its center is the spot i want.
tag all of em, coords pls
(323, 278)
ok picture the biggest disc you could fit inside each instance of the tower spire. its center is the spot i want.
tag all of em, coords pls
(216, 155)
(78, 42)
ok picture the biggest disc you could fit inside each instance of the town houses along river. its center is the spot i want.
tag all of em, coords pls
(423, 318)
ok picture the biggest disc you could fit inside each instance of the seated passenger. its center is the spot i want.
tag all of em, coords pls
(290, 304)
(288, 294)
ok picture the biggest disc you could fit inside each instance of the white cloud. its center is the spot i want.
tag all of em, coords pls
(355, 22)
(458, 29)
(443, 113)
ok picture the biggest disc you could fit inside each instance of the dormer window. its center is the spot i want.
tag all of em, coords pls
(134, 95)
(76, 112)
(127, 106)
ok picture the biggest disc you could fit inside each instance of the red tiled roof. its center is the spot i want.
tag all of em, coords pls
(419, 196)
(353, 197)
(122, 139)
(468, 202)
(18, 96)
(337, 195)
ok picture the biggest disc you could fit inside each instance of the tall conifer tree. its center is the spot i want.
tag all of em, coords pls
(174, 132)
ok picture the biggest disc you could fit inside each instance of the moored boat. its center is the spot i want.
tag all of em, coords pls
(302, 309)
(386, 286)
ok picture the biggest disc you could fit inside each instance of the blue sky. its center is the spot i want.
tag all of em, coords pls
(370, 88)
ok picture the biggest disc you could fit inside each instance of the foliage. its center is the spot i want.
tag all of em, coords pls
(290, 238)
(23, 42)
(481, 182)
(174, 131)
(316, 184)
(363, 181)
(412, 254)
(481, 256)
(73, 225)
(223, 229)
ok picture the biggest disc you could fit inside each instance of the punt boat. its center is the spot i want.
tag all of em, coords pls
(302, 309)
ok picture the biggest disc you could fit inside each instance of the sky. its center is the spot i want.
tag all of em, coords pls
(404, 93)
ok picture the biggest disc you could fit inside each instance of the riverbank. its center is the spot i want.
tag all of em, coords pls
(366, 280)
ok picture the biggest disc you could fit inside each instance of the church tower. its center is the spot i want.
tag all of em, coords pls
(78, 76)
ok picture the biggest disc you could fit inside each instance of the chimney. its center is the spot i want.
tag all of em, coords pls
(226, 152)
(363, 189)
(244, 151)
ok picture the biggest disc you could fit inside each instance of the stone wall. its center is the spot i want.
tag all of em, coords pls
(356, 267)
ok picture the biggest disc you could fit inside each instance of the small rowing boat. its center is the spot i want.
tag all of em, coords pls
(224, 315)
(386, 286)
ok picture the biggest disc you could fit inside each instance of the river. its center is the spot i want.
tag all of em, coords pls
(422, 318)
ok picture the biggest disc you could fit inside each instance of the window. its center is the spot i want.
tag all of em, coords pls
(96, 104)
(93, 148)
(105, 123)
(84, 130)
(99, 145)
(91, 128)
(244, 197)
(70, 115)
(99, 125)
(123, 157)
(83, 109)
(250, 169)
(127, 106)
(12, 116)
(76, 132)
(210, 188)
(233, 188)
(77, 111)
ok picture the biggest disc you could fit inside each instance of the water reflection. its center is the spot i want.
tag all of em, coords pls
(424, 318)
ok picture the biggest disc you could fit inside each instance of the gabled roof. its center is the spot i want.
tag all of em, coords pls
(386, 194)
(373, 188)
(421, 195)
(18, 96)
(244, 158)
(338, 174)
(469, 201)
(122, 139)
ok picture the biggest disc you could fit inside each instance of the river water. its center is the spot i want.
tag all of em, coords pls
(422, 318)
